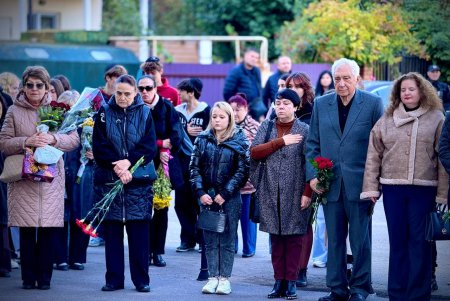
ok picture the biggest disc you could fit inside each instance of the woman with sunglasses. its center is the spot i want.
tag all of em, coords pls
(36, 207)
(123, 133)
(168, 137)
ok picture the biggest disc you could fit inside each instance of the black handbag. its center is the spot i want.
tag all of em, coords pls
(254, 211)
(436, 228)
(214, 221)
(145, 172)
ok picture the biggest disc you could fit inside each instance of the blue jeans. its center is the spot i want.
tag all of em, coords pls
(249, 228)
(320, 248)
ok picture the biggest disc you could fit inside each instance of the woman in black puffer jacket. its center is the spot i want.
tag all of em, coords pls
(123, 133)
(219, 169)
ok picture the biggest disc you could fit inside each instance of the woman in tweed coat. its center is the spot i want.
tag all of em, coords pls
(283, 198)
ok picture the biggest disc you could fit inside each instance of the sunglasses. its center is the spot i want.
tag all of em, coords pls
(146, 88)
(153, 59)
(38, 86)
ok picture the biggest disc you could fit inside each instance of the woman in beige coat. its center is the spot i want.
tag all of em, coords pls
(36, 207)
(403, 158)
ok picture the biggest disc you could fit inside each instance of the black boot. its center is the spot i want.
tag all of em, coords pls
(302, 281)
(291, 291)
(434, 286)
(278, 289)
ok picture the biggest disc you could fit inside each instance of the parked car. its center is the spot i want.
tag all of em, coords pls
(380, 88)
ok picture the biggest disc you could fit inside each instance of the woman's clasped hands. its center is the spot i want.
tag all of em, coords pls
(40, 140)
(121, 169)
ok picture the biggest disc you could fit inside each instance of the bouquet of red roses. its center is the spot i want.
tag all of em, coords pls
(323, 167)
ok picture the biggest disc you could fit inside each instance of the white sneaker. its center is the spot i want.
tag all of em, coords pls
(14, 264)
(211, 286)
(224, 287)
(319, 264)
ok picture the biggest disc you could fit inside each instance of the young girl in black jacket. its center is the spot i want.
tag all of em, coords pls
(219, 169)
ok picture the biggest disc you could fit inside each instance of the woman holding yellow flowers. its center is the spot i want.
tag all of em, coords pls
(168, 137)
(123, 133)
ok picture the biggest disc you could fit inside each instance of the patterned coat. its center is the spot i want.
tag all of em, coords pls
(282, 184)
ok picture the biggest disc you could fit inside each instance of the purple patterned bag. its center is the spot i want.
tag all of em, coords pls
(35, 171)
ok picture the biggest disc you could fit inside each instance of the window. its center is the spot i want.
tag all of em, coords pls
(45, 21)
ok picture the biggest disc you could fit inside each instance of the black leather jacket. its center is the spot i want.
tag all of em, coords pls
(224, 167)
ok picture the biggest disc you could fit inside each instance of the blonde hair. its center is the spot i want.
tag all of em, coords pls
(231, 128)
(7, 79)
(69, 97)
(429, 99)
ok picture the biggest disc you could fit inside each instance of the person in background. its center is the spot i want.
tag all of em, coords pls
(5, 251)
(10, 84)
(64, 81)
(56, 89)
(249, 229)
(339, 130)
(301, 84)
(168, 132)
(44, 202)
(64, 238)
(320, 249)
(283, 193)
(194, 117)
(284, 65)
(116, 150)
(112, 72)
(324, 83)
(219, 169)
(402, 162)
(154, 67)
(434, 73)
(246, 78)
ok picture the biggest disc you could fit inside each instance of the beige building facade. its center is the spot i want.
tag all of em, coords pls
(18, 16)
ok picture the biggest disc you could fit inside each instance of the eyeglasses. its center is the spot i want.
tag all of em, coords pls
(146, 88)
(38, 86)
(152, 59)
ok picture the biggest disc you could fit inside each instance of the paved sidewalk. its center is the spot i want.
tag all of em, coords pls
(252, 277)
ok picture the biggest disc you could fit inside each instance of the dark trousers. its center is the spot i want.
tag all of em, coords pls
(249, 228)
(78, 243)
(158, 231)
(406, 208)
(342, 218)
(285, 254)
(36, 254)
(61, 244)
(186, 208)
(5, 252)
(137, 232)
(306, 246)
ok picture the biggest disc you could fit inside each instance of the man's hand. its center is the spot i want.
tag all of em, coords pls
(206, 199)
(292, 139)
(306, 201)
(121, 167)
(313, 183)
(219, 199)
(194, 130)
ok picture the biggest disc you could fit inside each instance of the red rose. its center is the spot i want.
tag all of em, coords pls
(53, 104)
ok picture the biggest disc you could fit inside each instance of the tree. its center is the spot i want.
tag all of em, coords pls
(121, 17)
(240, 17)
(431, 23)
(330, 29)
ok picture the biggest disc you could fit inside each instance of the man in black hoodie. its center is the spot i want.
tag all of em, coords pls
(434, 72)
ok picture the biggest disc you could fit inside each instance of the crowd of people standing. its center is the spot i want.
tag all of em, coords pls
(255, 146)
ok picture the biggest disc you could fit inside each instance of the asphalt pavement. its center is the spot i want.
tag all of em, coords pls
(252, 277)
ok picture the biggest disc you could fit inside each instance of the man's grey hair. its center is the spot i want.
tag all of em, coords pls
(343, 61)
